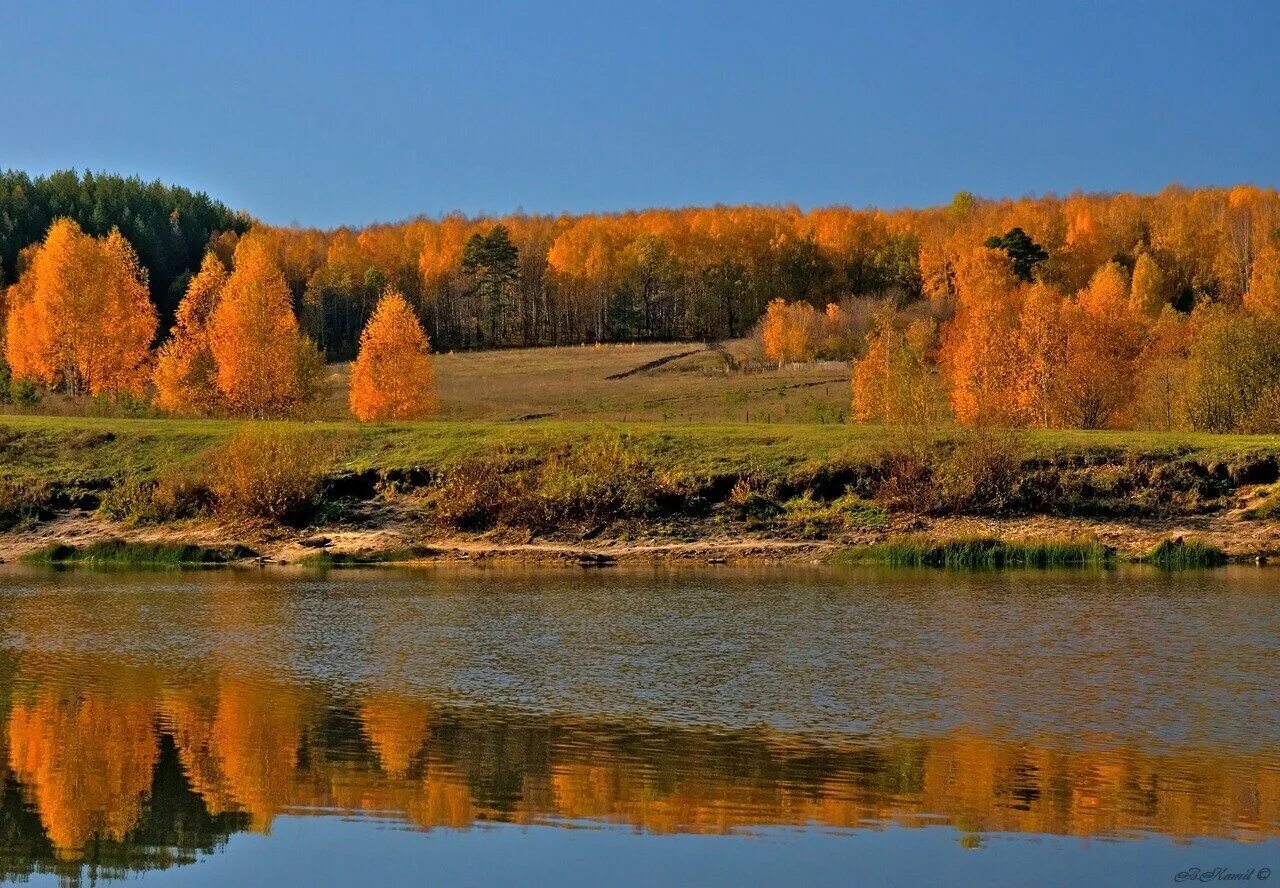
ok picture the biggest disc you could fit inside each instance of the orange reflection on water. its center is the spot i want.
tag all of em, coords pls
(86, 756)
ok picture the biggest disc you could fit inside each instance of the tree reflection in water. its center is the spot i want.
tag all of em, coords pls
(112, 767)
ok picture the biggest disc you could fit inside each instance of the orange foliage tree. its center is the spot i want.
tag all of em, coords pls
(1146, 289)
(185, 371)
(1263, 295)
(1041, 351)
(1103, 340)
(265, 366)
(979, 346)
(81, 318)
(1162, 370)
(392, 377)
(789, 331)
(894, 381)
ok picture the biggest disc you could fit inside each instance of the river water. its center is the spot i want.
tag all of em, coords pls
(724, 726)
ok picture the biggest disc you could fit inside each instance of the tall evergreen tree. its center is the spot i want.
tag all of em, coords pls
(492, 262)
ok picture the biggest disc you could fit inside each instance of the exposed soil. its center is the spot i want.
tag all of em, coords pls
(392, 529)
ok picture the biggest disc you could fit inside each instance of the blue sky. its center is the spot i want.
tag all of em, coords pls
(327, 113)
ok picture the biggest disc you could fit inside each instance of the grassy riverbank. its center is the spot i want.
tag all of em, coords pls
(655, 488)
(74, 450)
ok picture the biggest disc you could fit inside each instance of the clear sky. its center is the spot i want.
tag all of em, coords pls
(344, 113)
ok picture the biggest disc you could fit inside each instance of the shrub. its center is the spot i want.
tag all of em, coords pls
(171, 498)
(817, 519)
(270, 473)
(16, 391)
(117, 553)
(24, 393)
(599, 480)
(594, 482)
(471, 496)
(980, 473)
(906, 469)
(23, 503)
(747, 499)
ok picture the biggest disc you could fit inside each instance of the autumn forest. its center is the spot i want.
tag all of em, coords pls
(1088, 311)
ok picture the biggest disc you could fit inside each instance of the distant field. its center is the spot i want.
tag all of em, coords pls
(685, 382)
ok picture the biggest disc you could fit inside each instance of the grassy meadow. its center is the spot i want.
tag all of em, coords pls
(664, 382)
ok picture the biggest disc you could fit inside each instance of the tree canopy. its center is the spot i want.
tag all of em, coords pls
(169, 227)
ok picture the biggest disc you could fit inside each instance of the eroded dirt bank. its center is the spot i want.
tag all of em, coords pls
(1243, 540)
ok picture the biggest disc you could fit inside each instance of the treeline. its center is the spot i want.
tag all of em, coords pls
(1013, 350)
(698, 273)
(169, 227)
(1154, 311)
(710, 273)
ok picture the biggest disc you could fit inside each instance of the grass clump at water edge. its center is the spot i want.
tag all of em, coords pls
(118, 553)
(1180, 554)
(365, 558)
(980, 552)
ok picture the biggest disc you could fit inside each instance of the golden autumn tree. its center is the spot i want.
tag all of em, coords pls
(1103, 339)
(185, 371)
(21, 352)
(1162, 369)
(1041, 355)
(1146, 288)
(789, 331)
(84, 321)
(392, 377)
(979, 347)
(1263, 295)
(838, 339)
(265, 366)
(894, 381)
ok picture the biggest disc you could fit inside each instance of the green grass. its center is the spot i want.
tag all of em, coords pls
(95, 449)
(815, 518)
(325, 560)
(980, 552)
(1183, 554)
(986, 552)
(117, 553)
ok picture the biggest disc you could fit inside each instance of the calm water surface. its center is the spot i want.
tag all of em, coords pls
(688, 726)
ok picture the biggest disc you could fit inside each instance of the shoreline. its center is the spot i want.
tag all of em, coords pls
(591, 493)
(393, 544)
